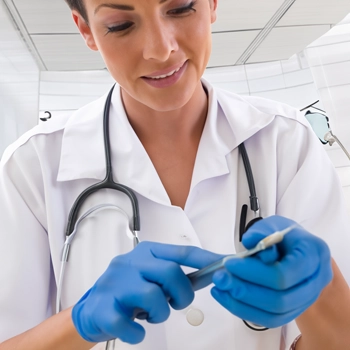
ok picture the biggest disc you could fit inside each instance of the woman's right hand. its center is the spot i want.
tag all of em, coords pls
(140, 284)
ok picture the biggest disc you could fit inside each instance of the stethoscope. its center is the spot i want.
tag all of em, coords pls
(108, 183)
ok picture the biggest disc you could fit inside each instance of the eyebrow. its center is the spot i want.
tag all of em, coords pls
(119, 6)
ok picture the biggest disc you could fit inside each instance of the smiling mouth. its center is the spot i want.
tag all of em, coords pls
(158, 77)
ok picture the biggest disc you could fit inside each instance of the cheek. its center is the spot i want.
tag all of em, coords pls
(198, 36)
(200, 45)
(119, 60)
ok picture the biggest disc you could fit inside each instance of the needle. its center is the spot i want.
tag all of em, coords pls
(203, 277)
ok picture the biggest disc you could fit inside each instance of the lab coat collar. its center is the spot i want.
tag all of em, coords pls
(231, 120)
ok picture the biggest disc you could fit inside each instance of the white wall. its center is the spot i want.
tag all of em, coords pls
(62, 92)
(19, 84)
(288, 81)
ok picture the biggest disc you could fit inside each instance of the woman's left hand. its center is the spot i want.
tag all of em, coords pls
(276, 285)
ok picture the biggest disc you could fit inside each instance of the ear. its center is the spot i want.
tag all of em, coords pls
(84, 30)
(213, 8)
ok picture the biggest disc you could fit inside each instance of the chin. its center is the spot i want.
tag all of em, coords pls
(170, 103)
(167, 107)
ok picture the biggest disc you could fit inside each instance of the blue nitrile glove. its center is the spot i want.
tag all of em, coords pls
(138, 284)
(275, 286)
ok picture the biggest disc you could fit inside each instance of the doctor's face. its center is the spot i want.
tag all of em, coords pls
(157, 50)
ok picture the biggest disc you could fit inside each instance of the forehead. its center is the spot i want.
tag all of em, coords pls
(135, 4)
(144, 7)
(129, 3)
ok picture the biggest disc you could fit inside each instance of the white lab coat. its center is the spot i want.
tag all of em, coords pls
(46, 169)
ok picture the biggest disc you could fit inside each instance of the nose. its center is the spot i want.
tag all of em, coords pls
(159, 40)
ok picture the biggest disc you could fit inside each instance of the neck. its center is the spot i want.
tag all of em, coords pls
(186, 122)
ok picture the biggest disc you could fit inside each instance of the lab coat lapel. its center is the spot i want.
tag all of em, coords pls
(216, 142)
(247, 115)
(82, 153)
(132, 165)
(244, 118)
(231, 120)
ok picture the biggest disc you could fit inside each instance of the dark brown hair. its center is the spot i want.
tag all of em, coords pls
(79, 6)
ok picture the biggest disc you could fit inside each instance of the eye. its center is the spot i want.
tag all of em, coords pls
(119, 28)
(183, 10)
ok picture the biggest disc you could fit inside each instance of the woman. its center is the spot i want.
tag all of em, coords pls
(174, 141)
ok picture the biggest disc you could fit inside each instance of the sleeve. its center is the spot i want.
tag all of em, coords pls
(26, 284)
(309, 192)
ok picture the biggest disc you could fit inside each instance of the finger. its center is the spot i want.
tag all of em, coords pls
(264, 228)
(133, 333)
(298, 265)
(185, 255)
(252, 238)
(172, 280)
(266, 299)
(269, 255)
(251, 314)
(142, 295)
(105, 320)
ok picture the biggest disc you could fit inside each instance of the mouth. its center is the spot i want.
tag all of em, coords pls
(166, 78)
(163, 76)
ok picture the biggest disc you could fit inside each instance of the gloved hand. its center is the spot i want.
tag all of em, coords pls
(138, 284)
(275, 286)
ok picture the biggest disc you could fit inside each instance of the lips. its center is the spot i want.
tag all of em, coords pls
(165, 73)
(166, 78)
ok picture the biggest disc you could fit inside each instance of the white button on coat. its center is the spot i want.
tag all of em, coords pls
(195, 317)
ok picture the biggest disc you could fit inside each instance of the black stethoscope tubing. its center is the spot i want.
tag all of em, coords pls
(108, 182)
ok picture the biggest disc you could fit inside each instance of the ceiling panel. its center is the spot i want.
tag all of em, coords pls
(46, 16)
(242, 15)
(239, 22)
(43, 16)
(316, 12)
(67, 52)
(283, 42)
(228, 47)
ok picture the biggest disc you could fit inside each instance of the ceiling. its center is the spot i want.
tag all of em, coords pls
(247, 31)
